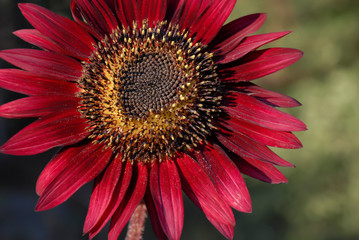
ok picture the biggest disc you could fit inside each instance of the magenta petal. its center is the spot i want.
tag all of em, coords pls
(200, 189)
(37, 106)
(166, 191)
(102, 193)
(46, 64)
(152, 212)
(260, 170)
(247, 108)
(131, 201)
(32, 84)
(117, 197)
(210, 22)
(81, 169)
(263, 135)
(153, 10)
(260, 63)
(38, 39)
(70, 36)
(226, 177)
(234, 32)
(246, 147)
(247, 45)
(54, 130)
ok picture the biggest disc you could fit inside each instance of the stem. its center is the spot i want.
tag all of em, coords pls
(137, 223)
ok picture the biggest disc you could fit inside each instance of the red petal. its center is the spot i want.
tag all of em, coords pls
(58, 129)
(227, 230)
(263, 135)
(81, 169)
(111, 3)
(152, 212)
(36, 38)
(246, 147)
(234, 32)
(200, 189)
(117, 197)
(70, 36)
(102, 193)
(226, 177)
(263, 171)
(188, 11)
(172, 6)
(273, 99)
(166, 192)
(77, 15)
(32, 84)
(37, 106)
(153, 10)
(128, 206)
(97, 14)
(107, 14)
(210, 22)
(56, 166)
(260, 63)
(247, 45)
(126, 12)
(46, 64)
(249, 109)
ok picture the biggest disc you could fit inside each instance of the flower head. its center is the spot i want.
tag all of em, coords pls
(149, 98)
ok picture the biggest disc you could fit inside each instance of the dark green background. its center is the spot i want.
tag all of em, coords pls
(321, 200)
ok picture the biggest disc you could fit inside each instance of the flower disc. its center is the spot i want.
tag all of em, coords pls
(149, 93)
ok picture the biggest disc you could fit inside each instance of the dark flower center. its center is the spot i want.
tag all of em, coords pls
(149, 93)
(150, 82)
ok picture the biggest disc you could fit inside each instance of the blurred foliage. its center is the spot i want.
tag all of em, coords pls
(321, 200)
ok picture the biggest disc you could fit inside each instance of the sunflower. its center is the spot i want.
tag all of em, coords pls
(149, 98)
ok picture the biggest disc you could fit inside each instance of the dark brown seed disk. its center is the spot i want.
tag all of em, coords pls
(149, 93)
(150, 82)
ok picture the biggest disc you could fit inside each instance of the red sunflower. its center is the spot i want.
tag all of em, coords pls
(149, 98)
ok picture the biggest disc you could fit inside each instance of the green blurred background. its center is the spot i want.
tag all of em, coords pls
(321, 200)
